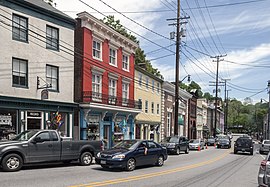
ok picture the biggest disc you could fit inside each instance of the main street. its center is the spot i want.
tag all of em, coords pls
(210, 167)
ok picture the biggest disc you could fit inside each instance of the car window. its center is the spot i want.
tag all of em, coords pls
(174, 140)
(143, 144)
(152, 145)
(54, 136)
(266, 142)
(45, 136)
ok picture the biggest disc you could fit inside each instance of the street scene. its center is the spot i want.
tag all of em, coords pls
(134, 93)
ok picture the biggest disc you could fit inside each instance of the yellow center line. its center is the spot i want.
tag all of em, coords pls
(150, 175)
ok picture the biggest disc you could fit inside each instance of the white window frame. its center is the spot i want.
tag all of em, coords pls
(125, 94)
(96, 94)
(125, 63)
(112, 91)
(98, 50)
(113, 57)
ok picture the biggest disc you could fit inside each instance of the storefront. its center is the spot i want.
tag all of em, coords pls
(19, 114)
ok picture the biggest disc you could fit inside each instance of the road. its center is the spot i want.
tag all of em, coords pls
(210, 167)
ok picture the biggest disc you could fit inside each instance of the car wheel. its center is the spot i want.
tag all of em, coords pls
(178, 151)
(12, 162)
(187, 150)
(251, 152)
(235, 152)
(261, 152)
(160, 161)
(131, 164)
(86, 159)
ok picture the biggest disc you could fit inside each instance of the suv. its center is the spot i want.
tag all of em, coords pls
(265, 147)
(243, 144)
(175, 144)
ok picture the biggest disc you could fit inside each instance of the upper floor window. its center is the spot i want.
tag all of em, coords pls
(146, 82)
(113, 56)
(19, 72)
(96, 87)
(140, 80)
(125, 93)
(158, 87)
(52, 38)
(97, 49)
(52, 77)
(146, 107)
(153, 108)
(157, 108)
(125, 63)
(153, 85)
(19, 28)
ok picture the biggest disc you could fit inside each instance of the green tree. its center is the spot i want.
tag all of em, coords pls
(208, 96)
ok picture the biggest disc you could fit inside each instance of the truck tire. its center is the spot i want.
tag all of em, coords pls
(12, 162)
(86, 159)
(178, 151)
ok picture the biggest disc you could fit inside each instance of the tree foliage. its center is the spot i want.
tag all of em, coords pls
(140, 57)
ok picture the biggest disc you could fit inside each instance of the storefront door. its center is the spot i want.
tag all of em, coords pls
(107, 135)
(33, 123)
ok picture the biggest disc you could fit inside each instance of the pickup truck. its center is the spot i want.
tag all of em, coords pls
(38, 146)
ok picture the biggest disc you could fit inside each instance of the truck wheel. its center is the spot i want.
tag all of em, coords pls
(12, 162)
(178, 151)
(86, 159)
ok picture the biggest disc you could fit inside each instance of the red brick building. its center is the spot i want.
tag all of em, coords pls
(104, 81)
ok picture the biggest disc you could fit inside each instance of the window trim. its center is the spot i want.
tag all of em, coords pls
(58, 33)
(128, 63)
(18, 85)
(50, 89)
(99, 97)
(100, 42)
(127, 99)
(26, 29)
(116, 51)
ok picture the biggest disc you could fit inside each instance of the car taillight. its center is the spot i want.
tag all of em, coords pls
(263, 165)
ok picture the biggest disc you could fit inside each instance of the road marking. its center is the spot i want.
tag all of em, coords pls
(150, 175)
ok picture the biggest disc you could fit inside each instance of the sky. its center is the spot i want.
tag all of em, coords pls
(239, 30)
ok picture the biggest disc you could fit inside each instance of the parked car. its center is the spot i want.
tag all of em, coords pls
(211, 141)
(36, 146)
(176, 144)
(243, 144)
(128, 154)
(224, 143)
(196, 144)
(264, 172)
(265, 147)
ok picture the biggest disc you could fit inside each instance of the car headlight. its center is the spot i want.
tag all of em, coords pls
(122, 156)
(98, 155)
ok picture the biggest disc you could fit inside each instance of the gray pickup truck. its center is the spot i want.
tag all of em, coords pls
(37, 146)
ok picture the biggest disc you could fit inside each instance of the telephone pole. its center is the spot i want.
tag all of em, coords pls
(216, 98)
(226, 107)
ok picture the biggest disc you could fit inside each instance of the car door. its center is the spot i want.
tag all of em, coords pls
(41, 151)
(153, 152)
(141, 154)
(182, 144)
(56, 146)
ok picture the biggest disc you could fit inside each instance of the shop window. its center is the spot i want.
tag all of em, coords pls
(93, 127)
(19, 72)
(8, 126)
(58, 122)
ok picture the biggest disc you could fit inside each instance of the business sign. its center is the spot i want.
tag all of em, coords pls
(5, 120)
(34, 114)
(44, 94)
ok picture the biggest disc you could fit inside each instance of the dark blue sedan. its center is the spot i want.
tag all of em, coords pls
(128, 154)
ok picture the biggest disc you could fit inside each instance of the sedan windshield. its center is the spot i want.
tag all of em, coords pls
(24, 136)
(174, 140)
(127, 144)
(194, 141)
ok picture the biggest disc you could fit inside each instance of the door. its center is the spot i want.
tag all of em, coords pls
(153, 152)
(141, 154)
(33, 123)
(107, 136)
(41, 151)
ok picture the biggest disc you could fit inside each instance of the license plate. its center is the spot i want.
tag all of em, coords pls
(103, 162)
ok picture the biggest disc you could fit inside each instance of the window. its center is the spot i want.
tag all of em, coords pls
(146, 82)
(112, 91)
(140, 103)
(19, 72)
(97, 49)
(157, 108)
(113, 57)
(52, 38)
(125, 93)
(44, 136)
(146, 106)
(125, 63)
(152, 145)
(153, 107)
(169, 116)
(140, 80)
(153, 85)
(52, 77)
(158, 85)
(96, 87)
(19, 28)
(54, 136)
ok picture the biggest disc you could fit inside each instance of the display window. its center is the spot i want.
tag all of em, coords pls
(8, 126)
(58, 122)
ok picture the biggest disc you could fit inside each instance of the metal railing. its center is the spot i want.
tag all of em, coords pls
(95, 97)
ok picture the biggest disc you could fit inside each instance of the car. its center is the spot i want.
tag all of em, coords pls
(243, 144)
(211, 141)
(224, 143)
(196, 144)
(265, 147)
(176, 144)
(128, 154)
(264, 171)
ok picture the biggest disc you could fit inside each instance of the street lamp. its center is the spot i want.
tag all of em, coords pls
(188, 76)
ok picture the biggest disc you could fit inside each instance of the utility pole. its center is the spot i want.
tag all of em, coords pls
(216, 98)
(268, 124)
(225, 108)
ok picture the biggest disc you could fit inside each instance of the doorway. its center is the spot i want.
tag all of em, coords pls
(33, 123)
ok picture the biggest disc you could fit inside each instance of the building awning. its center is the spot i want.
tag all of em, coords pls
(180, 120)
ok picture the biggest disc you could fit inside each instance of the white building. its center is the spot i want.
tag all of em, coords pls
(37, 56)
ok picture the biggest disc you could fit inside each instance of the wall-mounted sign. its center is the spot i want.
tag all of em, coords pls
(5, 120)
(44, 94)
(34, 114)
